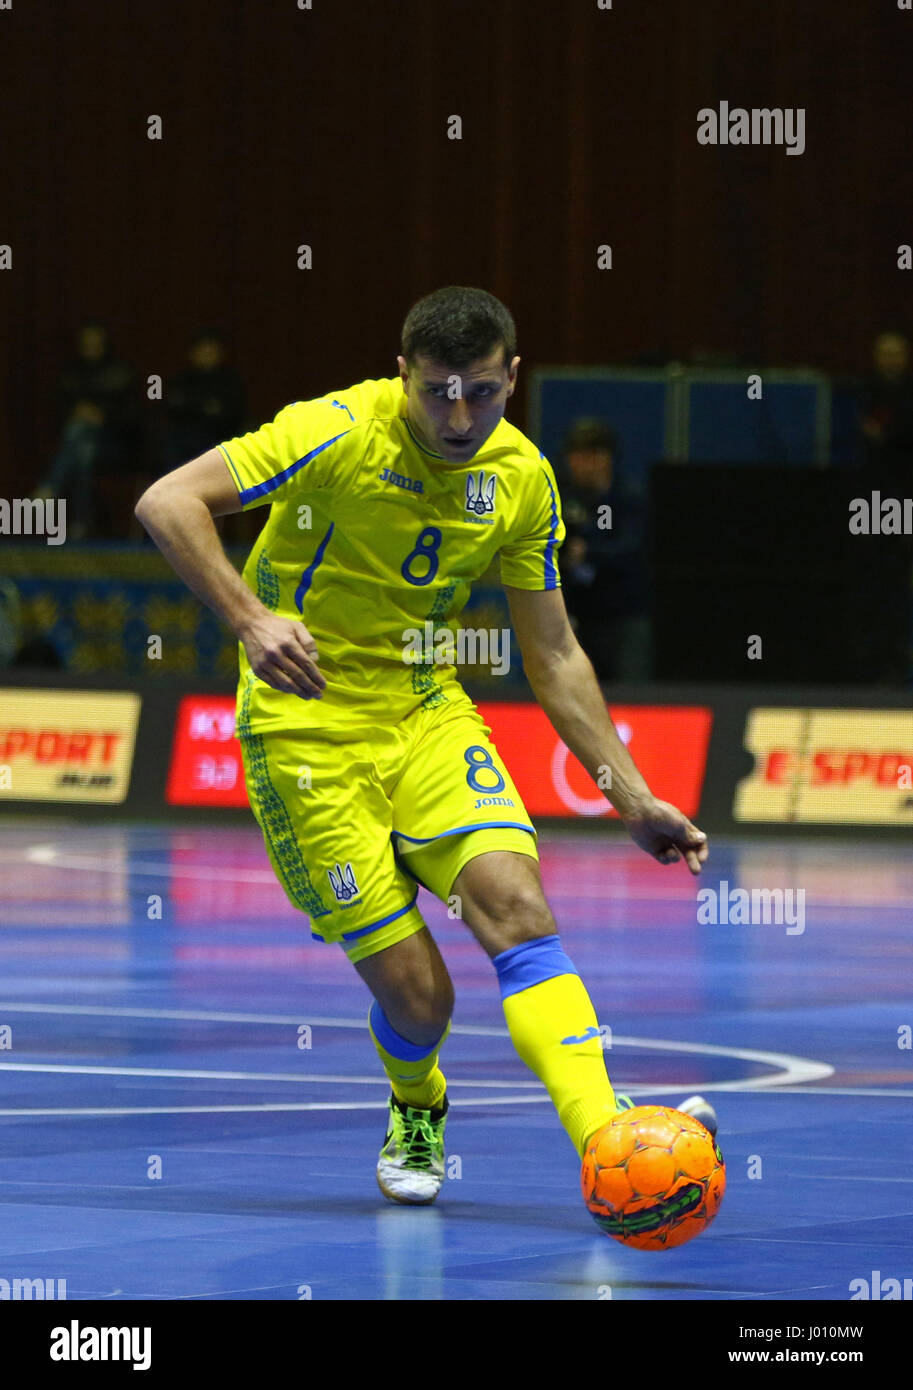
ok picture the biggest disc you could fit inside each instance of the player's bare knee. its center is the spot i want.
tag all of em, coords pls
(418, 1023)
(412, 985)
(517, 912)
(502, 901)
(423, 1006)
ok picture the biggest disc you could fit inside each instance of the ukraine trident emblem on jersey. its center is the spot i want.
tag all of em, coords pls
(482, 500)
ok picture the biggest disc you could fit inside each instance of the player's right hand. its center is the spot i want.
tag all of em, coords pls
(663, 831)
(284, 655)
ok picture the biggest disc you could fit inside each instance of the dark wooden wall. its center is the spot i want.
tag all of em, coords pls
(328, 127)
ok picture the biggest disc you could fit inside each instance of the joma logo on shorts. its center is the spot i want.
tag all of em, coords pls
(400, 480)
(493, 801)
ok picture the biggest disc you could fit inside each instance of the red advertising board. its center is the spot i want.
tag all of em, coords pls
(668, 743)
(206, 756)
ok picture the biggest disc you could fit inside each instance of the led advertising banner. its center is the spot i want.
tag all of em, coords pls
(67, 745)
(827, 767)
(668, 743)
(205, 768)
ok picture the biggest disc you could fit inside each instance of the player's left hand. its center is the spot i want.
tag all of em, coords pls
(666, 834)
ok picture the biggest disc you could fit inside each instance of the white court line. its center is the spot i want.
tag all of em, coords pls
(249, 1109)
(793, 1070)
(188, 1016)
(751, 1083)
(49, 857)
(838, 1091)
(493, 1102)
(184, 1074)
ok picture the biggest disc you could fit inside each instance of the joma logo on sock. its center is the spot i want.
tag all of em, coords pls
(603, 1031)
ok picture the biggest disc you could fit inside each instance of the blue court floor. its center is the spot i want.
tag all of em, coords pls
(191, 1106)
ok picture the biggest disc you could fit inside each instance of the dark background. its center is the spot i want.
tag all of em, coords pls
(328, 127)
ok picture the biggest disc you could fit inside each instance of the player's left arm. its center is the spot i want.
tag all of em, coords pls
(565, 685)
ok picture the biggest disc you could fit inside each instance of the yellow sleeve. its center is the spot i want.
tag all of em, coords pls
(530, 561)
(294, 453)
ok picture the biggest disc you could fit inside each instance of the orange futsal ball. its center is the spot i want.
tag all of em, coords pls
(653, 1178)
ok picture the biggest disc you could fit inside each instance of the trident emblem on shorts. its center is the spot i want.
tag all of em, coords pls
(475, 501)
(343, 883)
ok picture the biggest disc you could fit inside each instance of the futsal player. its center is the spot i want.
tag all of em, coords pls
(370, 771)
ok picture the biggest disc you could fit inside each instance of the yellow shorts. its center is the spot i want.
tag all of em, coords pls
(353, 825)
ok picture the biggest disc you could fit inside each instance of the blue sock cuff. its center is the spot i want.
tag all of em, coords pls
(531, 963)
(391, 1041)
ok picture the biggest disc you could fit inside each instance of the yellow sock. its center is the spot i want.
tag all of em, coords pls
(413, 1071)
(554, 1029)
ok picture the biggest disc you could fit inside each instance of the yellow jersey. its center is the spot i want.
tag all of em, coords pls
(371, 537)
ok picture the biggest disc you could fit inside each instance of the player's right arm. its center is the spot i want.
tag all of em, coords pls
(178, 512)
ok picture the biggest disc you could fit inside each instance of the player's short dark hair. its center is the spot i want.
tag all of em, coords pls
(457, 325)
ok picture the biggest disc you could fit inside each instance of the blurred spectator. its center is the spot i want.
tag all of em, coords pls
(98, 411)
(10, 622)
(14, 650)
(886, 426)
(204, 401)
(886, 413)
(603, 566)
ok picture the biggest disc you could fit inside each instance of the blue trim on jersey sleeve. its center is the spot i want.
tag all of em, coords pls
(271, 484)
(340, 406)
(308, 574)
(550, 569)
(231, 464)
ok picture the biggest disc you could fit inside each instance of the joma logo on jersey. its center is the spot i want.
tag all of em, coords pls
(480, 498)
(343, 883)
(400, 480)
